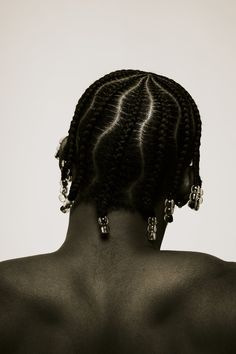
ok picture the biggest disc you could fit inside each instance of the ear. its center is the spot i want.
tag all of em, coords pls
(185, 186)
(61, 156)
(60, 153)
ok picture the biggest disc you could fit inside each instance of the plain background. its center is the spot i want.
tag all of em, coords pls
(51, 51)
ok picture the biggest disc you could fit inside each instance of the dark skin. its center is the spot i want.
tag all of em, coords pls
(122, 295)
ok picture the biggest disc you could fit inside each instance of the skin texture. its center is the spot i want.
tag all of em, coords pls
(121, 295)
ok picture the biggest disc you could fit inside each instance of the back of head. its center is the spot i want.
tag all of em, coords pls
(132, 136)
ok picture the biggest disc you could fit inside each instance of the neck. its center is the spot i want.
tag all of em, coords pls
(127, 232)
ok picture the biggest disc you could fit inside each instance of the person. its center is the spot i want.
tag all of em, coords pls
(131, 155)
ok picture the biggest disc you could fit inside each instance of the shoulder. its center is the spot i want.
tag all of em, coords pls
(22, 281)
(30, 276)
(189, 266)
(12, 309)
(33, 280)
(208, 301)
(210, 307)
(27, 296)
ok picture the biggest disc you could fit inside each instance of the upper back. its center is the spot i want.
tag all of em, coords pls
(158, 301)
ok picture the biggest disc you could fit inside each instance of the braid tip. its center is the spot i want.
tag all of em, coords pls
(195, 197)
(66, 206)
(152, 228)
(104, 227)
(169, 210)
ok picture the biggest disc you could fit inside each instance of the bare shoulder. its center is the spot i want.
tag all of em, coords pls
(210, 308)
(29, 276)
(27, 271)
(32, 291)
(12, 308)
(189, 266)
(26, 285)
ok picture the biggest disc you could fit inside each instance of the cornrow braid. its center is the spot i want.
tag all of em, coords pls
(186, 137)
(197, 143)
(197, 125)
(164, 141)
(158, 134)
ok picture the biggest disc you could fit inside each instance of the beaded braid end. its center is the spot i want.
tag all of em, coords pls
(152, 228)
(169, 210)
(104, 227)
(195, 197)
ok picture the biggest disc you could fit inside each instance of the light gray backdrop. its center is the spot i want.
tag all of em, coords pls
(51, 51)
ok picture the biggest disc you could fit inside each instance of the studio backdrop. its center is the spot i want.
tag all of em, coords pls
(51, 51)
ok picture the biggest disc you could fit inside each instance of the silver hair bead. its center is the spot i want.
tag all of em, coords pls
(66, 206)
(195, 197)
(104, 225)
(169, 210)
(152, 228)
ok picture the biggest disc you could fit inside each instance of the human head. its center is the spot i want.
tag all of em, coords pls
(133, 138)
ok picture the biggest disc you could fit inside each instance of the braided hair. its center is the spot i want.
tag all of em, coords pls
(132, 135)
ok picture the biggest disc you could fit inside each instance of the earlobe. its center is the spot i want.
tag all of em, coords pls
(185, 187)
